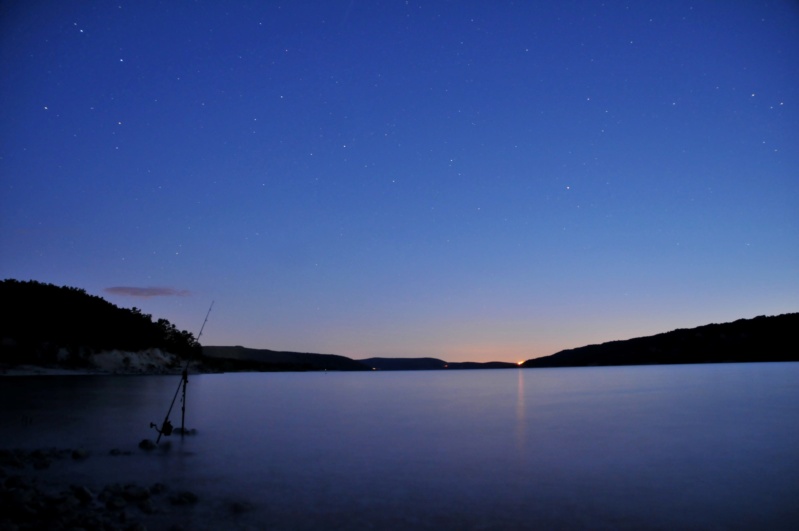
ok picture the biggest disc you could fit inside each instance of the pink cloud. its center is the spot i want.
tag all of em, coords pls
(147, 292)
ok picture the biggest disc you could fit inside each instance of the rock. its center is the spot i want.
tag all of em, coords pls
(146, 506)
(41, 464)
(79, 455)
(116, 503)
(183, 498)
(117, 451)
(18, 482)
(110, 491)
(20, 496)
(26, 511)
(238, 507)
(39, 454)
(10, 458)
(83, 494)
(147, 445)
(132, 492)
(91, 522)
(65, 506)
(61, 454)
(158, 488)
(40, 459)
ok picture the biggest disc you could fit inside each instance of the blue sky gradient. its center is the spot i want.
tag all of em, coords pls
(465, 180)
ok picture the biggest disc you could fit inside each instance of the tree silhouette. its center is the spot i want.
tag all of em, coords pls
(38, 320)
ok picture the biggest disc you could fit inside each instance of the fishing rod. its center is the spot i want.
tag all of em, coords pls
(166, 426)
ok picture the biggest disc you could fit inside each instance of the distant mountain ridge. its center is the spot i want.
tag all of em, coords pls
(745, 340)
(404, 364)
(427, 364)
(50, 326)
(239, 358)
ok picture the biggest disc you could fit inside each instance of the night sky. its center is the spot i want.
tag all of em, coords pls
(477, 180)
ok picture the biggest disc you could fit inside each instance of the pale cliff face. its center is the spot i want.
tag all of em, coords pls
(152, 360)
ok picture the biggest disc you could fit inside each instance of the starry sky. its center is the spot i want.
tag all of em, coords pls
(475, 180)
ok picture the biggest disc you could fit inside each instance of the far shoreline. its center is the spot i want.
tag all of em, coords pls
(36, 370)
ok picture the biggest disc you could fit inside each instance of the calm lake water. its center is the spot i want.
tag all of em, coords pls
(669, 447)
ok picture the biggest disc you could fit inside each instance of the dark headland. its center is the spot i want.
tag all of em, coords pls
(746, 340)
(240, 358)
(52, 327)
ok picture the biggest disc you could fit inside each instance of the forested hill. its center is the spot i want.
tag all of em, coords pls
(745, 340)
(240, 358)
(37, 320)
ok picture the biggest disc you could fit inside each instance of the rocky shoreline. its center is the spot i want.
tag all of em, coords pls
(30, 500)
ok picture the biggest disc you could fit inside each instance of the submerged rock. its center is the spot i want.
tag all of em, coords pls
(117, 451)
(79, 455)
(147, 445)
(29, 500)
(83, 494)
(183, 498)
(133, 492)
(11, 458)
(116, 503)
(239, 507)
(146, 506)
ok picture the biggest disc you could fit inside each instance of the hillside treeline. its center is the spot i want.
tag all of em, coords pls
(41, 323)
(759, 339)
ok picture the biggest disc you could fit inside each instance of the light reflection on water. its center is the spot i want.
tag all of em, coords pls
(709, 446)
(521, 422)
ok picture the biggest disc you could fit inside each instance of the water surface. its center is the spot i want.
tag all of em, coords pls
(667, 447)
